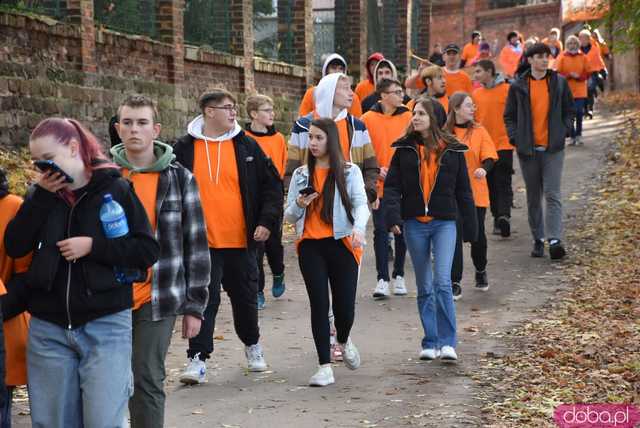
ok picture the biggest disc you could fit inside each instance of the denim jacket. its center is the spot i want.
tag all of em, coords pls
(342, 227)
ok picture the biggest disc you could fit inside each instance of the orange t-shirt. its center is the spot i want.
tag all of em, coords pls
(509, 60)
(307, 105)
(469, 52)
(275, 147)
(428, 174)
(314, 226)
(364, 89)
(481, 148)
(216, 172)
(457, 81)
(539, 94)
(145, 185)
(384, 130)
(16, 330)
(566, 64)
(345, 143)
(594, 59)
(490, 104)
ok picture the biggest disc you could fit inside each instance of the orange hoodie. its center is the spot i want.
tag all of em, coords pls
(490, 104)
(273, 145)
(16, 330)
(384, 130)
(509, 60)
(568, 63)
(481, 148)
(307, 104)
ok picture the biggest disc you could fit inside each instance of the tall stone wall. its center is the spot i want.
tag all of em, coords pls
(42, 74)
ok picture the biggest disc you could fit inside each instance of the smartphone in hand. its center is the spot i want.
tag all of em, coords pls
(309, 190)
(50, 166)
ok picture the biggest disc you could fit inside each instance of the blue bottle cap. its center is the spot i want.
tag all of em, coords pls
(107, 197)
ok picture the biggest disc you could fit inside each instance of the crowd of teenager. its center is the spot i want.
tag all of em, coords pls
(204, 209)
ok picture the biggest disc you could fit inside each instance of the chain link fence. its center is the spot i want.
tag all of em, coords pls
(208, 23)
(324, 42)
(54, 8)
(127, 16)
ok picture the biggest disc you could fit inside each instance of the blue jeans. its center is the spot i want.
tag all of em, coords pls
(82, 377)
(433, 278)
(576, 126)
(381, 245)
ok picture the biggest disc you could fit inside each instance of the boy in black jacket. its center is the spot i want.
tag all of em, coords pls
(538, 116)
(241, 198)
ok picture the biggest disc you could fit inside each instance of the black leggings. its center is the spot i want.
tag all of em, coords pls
(324, 263)
(478, 248)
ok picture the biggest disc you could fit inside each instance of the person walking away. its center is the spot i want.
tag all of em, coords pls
(538, 117)
(480, 159)
(260, 109)
(572, 64)
(330, 223)
(16, 319)
(426, 184)
(80, 294)
(387, 121)
(241, 197)
(490, 100)
(367, 86)
(177, 283)
(334, 63)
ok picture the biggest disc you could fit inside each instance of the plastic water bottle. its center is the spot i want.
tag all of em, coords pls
(115, 225)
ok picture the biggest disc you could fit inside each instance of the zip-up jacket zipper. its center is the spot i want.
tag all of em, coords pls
(68, 291)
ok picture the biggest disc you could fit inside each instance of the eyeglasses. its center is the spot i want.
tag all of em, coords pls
(228, 108)
(398, 92)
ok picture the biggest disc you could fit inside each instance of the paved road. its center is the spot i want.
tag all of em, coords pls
(392, 388)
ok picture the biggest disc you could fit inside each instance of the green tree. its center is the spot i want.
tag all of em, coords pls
(624, 19)
(263, 7)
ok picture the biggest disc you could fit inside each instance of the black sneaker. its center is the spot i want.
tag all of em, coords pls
(538, 249)
(456, 290)
(482, 282)
(556, 250)
(505, 226)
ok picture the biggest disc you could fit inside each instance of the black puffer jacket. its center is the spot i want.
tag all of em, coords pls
(72, 294)
(451, 193)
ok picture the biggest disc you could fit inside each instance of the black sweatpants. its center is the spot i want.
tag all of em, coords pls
(275, 256)
(236, 269)
(324, 263)
(478, 248)
(499, 181)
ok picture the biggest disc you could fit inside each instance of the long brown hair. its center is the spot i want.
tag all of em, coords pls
(437, 137)
(336, 171)
(455, 101)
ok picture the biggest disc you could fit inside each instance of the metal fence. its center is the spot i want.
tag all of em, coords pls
(208, 23)
(499, 4)
(273, 30)
(54, 8)
(127, 16)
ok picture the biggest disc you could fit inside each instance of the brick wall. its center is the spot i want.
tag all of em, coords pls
(41, 75)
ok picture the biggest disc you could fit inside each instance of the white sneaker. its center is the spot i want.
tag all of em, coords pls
(350, 355)
(399, 288)
(255, 359)
(429, 354)
(323, 377)
(195, 372)
(447, 353)
(382, 289)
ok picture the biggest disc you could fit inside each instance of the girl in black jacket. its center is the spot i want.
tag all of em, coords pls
(79, 350)
(426, 183)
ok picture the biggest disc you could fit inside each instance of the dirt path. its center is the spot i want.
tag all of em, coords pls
(392, 388)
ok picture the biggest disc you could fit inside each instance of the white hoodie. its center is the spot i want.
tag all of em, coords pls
(331, 58)
(324, 94)
(196, 130)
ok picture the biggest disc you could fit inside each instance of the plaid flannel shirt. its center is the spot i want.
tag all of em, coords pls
(181, 275)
